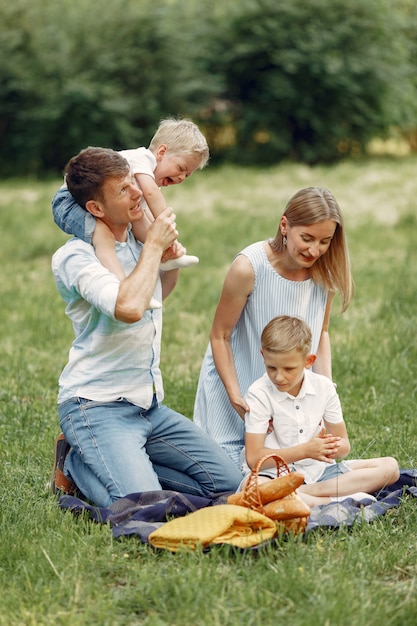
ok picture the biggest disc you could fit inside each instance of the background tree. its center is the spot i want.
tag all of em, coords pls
(79, 73)
(407, 12)
(309, 79)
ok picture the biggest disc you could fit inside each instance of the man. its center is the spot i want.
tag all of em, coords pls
(118, 437)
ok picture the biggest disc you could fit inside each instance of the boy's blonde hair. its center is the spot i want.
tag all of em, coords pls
(332, 270)
(285, 333)
(182, 137)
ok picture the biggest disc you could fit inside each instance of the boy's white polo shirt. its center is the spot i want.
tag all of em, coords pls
(296, 420)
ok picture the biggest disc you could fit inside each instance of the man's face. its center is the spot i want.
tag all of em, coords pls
(121, 201)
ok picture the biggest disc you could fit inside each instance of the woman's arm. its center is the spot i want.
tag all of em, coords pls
(136, 290)
(323, 363)
(237, 287)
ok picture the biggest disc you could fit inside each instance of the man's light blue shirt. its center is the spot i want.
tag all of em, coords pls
(109, 359)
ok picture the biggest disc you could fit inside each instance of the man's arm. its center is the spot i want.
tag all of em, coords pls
(136, 289)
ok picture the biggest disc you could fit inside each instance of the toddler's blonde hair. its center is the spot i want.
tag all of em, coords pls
(182, 137)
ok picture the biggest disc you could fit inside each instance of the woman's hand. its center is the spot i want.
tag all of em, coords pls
(239, 406)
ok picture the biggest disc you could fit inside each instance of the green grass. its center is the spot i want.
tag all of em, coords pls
(59, 569)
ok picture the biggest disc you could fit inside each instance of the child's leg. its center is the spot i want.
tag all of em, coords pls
(367, 475)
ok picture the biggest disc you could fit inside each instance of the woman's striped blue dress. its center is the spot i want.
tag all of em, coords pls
(272, 295)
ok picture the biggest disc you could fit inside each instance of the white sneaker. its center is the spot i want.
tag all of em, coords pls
(186, 260)
(360, 496)
(154, 304)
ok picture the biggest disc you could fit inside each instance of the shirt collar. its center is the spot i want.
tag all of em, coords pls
(307, 387)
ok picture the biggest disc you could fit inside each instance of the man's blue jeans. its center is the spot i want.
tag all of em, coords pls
(119, 448)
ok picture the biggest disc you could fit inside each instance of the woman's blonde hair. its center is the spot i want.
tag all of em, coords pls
(182, 137)
(285, 334)
(332, 270)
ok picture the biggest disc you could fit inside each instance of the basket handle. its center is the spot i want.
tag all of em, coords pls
(251, 495)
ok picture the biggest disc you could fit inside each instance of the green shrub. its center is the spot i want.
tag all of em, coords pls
(312, 80)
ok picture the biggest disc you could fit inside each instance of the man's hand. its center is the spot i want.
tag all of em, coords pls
(174, 251)
(163, 231)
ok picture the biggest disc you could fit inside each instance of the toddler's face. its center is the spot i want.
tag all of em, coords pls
(173, 169)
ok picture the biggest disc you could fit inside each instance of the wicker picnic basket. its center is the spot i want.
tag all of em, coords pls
(252, 498)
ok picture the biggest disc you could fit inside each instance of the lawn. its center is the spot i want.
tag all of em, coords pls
(59, 569)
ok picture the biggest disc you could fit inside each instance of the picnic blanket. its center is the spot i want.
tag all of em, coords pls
(140, 514)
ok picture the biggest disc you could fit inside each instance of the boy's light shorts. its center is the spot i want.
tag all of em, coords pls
(334, 470)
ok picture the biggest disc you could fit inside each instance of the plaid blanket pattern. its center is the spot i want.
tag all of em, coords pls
(139, 514)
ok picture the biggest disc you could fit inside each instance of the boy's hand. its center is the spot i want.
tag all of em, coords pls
(324, 447)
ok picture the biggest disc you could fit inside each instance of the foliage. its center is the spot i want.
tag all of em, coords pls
(407, 9)
(310, 79)
(81, 73)
(58, 569)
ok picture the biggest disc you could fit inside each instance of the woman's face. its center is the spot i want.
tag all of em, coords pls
(306, 244)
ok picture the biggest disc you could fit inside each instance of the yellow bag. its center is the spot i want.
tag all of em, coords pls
(224, 523)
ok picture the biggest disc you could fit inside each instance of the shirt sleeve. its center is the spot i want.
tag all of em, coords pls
(141, 161)
(79, 275)
(333, 411)
(257, 420)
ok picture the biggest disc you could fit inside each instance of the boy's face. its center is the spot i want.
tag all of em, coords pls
(286, 369)
(172, 169)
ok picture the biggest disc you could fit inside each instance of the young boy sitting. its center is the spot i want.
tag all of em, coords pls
(297, 415)
(176, 150)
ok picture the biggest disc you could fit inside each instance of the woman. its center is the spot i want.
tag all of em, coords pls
(297, 273)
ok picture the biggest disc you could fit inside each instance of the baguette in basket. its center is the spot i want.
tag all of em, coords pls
(275, 498)
(287, 508)
(272, 489)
